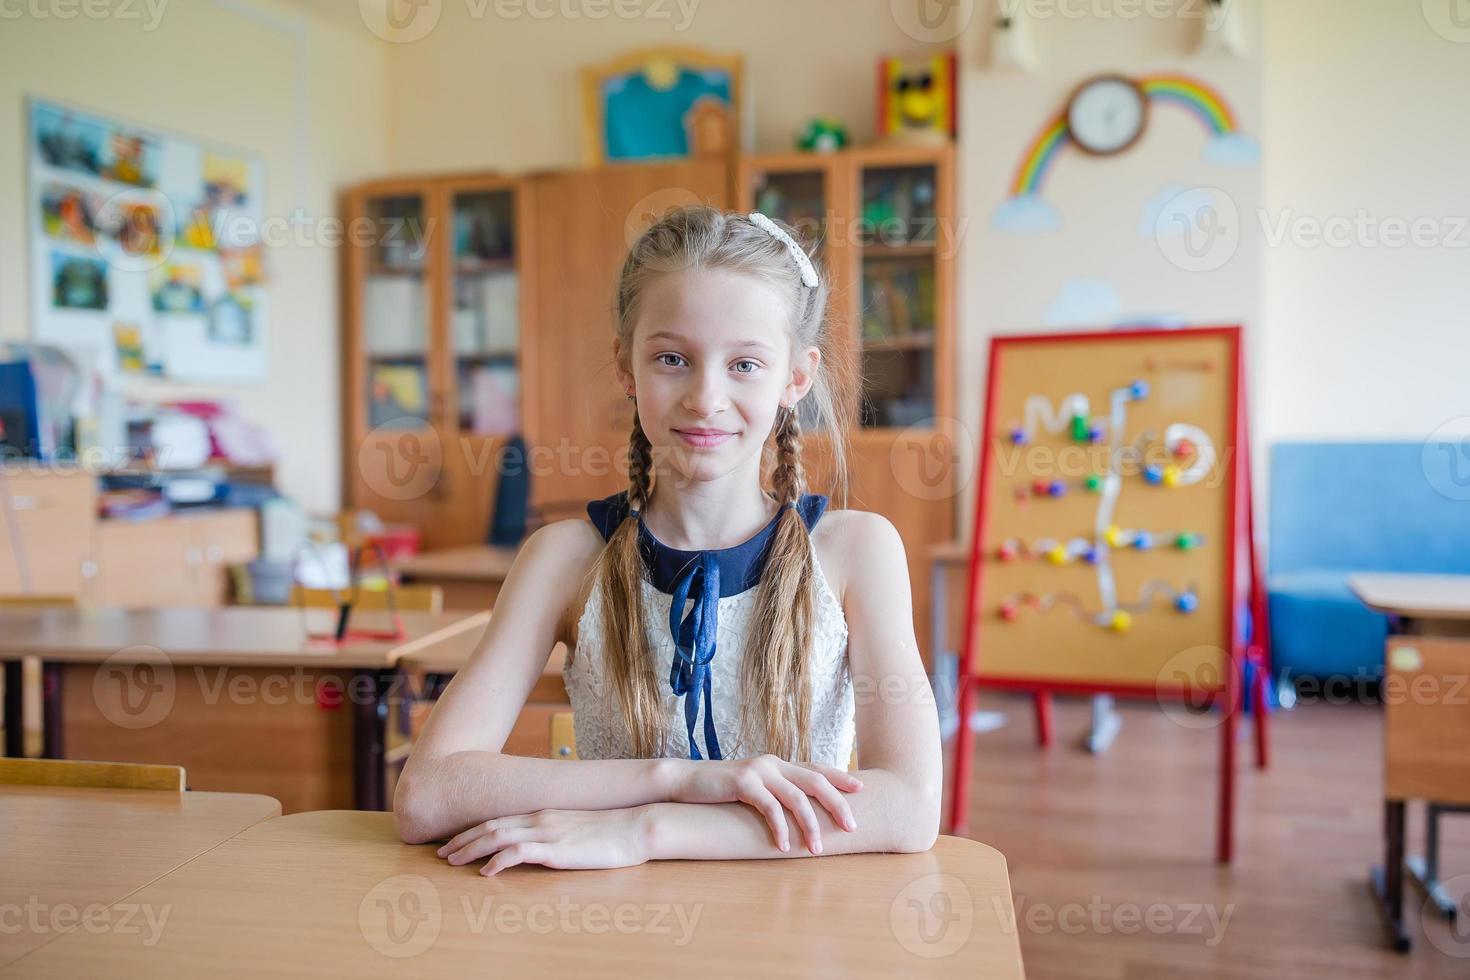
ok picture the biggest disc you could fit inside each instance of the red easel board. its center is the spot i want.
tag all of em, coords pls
(1112, 524)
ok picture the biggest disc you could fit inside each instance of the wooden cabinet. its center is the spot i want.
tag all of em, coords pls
(434, 302)
(46, 523)
(180, 560)
(885, 220)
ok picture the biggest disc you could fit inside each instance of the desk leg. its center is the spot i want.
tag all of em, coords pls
(51, 743)
(369, 731)
(1387, 882)
(1424, 872)
(15, 732)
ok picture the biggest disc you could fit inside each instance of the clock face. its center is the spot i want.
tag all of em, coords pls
(1107, 115)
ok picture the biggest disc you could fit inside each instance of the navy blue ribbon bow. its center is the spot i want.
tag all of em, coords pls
(694, 647)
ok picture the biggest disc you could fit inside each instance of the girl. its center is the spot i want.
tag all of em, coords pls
(721, 730)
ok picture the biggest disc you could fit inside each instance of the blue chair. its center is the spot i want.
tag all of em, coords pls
(1341, 508)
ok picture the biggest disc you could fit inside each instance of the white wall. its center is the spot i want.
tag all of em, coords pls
(1367, 125)
(304, 95)
(1009, 282)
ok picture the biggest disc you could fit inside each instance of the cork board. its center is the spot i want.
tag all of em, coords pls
(1107, 528)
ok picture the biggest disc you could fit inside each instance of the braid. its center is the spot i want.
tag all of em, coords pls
(789, 477)
(640, 465)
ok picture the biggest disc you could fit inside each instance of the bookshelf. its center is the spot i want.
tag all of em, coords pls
(433, 309)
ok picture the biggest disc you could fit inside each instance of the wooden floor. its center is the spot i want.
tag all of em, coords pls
(1094, 841)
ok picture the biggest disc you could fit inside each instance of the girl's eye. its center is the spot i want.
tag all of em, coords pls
(666, 363)
(754, 366)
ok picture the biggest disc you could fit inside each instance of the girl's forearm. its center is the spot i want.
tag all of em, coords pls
(438, 798)
(890, 815)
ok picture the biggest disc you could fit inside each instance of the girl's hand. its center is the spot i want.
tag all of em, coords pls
(770, 783)
(572, 839)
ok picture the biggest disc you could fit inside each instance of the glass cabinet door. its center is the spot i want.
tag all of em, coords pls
(395, 313)
(484, 316)
(898, 246)
(801, 195)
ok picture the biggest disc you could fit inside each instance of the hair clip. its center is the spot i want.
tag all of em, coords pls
(803, 262)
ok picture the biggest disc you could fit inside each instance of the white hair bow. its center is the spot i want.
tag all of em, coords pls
(808, 271)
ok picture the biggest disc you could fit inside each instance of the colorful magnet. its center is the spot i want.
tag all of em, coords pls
(1018, 437)
(1171, 475)
(1153, 474)
(1120, 622)
(1040, 487)
(1113, 535)
(1186, 541)
(1056, 488)
(1183, 448)
(1080, 428)
(1089, 555)
(1186, 602)
(1009, 611)
(1095, 434)
(1093, 483)
(1057, 555)
(1007, 551)
(1138, 390)
(1142, 540)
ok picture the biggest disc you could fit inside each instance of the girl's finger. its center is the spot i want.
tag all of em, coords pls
(841, 778)
(769, 807)
(815, 784)
(513, 855)
(489, 843)
(463, 837)
(801, 808)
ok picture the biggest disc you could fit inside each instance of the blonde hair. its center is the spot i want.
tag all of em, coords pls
(777, 668)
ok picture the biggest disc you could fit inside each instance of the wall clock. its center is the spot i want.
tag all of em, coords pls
(1107, 114)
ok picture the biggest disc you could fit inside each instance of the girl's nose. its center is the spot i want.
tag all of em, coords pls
(706, 395)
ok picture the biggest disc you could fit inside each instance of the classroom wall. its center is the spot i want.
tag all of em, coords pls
(304, 95)
(1107, 264)
(495, 83)
(1367, 332)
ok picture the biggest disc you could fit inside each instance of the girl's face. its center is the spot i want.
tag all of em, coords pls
(711, 365)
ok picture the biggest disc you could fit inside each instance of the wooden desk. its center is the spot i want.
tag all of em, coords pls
(68, 852)
(470, 575)
(336, 893)
(240, 696)
(1426, 725)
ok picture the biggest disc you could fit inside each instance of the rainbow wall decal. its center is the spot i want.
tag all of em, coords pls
(1228, 146)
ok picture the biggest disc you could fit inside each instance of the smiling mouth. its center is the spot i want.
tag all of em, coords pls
(703, 438)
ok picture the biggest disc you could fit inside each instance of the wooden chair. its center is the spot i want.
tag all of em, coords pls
(30, 668)
(564, 740)
(91, 775)
(409, 598)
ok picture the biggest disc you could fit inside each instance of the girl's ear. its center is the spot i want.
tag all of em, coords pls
(625, 377)
(803, 374)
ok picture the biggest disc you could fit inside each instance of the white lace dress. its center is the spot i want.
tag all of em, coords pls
(601, 733)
